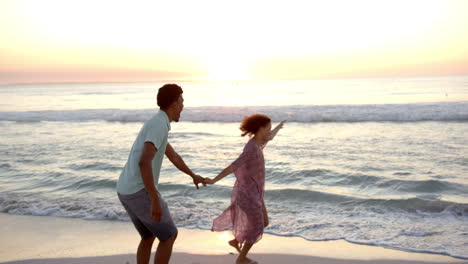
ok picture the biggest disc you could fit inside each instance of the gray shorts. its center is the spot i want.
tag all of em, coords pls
(138, 207)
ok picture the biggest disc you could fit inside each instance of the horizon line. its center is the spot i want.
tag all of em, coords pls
(231, 81)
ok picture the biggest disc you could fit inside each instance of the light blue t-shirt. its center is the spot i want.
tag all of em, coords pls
(155, 130)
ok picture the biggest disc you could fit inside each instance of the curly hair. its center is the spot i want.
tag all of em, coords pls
(168, 94)
(252, 123)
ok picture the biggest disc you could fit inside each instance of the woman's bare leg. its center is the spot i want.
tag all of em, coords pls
(235, 244)
(243, 259)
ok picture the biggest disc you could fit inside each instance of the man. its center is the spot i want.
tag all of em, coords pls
(137, 185)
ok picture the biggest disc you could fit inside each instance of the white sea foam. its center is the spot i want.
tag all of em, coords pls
(324, 221)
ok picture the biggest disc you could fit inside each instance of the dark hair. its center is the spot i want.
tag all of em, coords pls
(251, 124)
(168, 94)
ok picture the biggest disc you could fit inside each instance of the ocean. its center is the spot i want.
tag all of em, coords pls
(379, 162)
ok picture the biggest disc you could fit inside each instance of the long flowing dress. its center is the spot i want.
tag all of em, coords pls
(245, 214)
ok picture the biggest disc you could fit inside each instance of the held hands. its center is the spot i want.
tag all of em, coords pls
(197, 179)
(209, 181)
(228, 170)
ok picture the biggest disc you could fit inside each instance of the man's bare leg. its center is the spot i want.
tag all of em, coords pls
(144, 250)
(243, 259)
(164, 251)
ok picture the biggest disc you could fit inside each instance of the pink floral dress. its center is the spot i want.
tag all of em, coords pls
(245, 214)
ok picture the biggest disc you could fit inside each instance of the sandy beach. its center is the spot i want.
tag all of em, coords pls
(45, 239)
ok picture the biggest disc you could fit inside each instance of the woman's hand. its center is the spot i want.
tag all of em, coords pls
(209, 181)
(276, 129)
(281, 124)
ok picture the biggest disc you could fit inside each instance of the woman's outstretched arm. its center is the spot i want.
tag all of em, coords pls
(274, 132)
(228, 170)
(276, 129)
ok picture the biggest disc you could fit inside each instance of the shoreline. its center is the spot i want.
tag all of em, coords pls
(47, 239)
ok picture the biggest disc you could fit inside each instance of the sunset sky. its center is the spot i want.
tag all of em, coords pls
(79, 41)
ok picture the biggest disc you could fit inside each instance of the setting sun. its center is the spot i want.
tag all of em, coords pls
(227, 67)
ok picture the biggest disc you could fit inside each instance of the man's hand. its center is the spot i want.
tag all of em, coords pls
(156, 211)
(197, 179)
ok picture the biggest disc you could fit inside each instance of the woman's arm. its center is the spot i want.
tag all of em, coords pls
(266, 222)
(228, 170)
(274, 132)
(276, 129)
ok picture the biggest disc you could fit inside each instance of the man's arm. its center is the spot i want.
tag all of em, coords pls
(147, 155)
(177, 160)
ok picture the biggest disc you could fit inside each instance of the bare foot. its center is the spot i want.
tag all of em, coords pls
(233, 243)
(246, 261)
